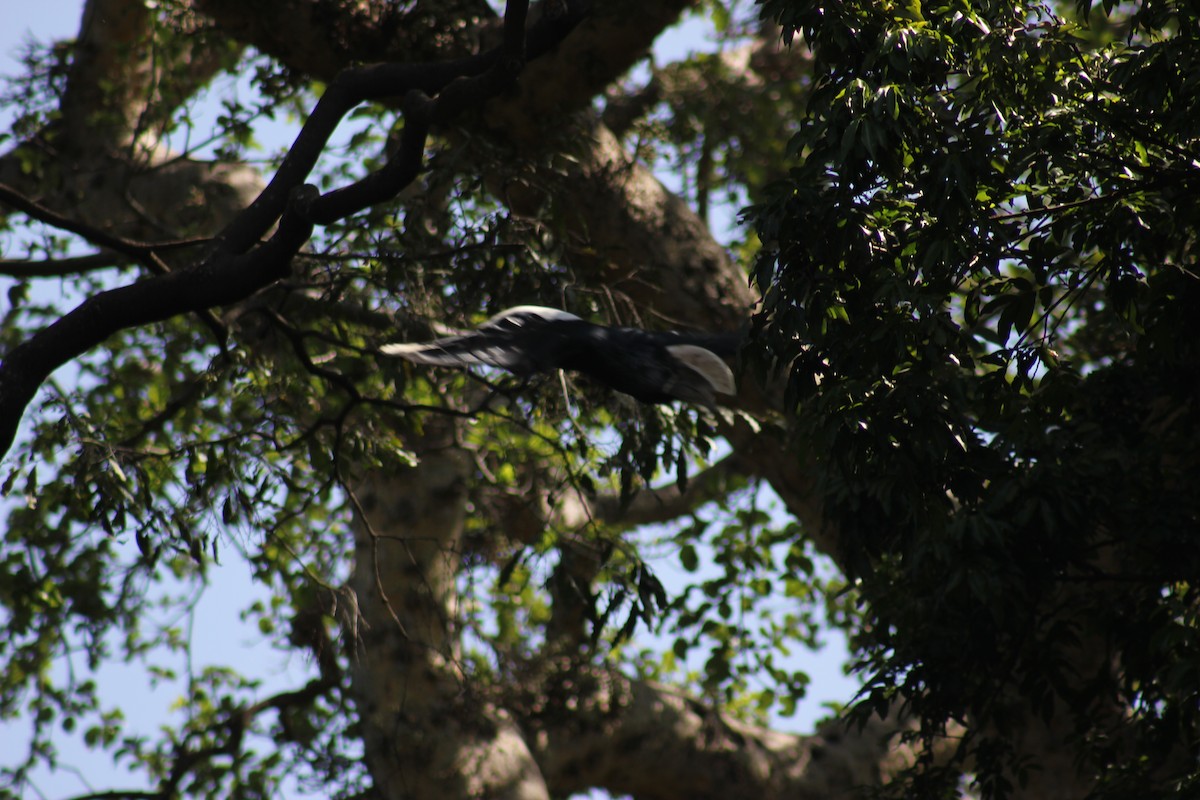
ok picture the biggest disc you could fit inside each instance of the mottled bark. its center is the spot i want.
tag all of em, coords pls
(322, 37)
(426, 729)
(102, 163)
(655, 743)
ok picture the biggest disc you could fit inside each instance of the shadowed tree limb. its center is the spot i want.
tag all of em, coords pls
(24, 269)
(143, 253)
(115, 90)
(656, 743)
(231, 270)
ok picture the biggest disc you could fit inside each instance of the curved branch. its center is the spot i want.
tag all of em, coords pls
(667, 503)
(141, 252)
(93, 262)
(231, 270)
(473, 79)
(60, 267)
(318, 37)
(656, 743)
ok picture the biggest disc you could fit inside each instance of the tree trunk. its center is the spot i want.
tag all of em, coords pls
(427, 731)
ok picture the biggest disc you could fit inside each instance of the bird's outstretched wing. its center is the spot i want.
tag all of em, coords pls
(460, 351)
(507, 340)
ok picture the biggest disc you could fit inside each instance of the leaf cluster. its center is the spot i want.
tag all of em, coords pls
(976, 270)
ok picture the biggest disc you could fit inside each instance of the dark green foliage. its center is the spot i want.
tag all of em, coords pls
(981, 268)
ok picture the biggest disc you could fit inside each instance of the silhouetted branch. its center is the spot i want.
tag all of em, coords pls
(61, 267)
(236, 264)
(141, 252)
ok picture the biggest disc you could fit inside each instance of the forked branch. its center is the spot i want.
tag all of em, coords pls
(239, 263)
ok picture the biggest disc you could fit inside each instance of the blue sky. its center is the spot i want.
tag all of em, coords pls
(218, 634)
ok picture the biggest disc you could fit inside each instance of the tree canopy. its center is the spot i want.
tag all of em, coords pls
(969, 376)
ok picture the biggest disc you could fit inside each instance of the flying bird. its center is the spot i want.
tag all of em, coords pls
(651, 367)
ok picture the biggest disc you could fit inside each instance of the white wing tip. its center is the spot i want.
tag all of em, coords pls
(541, 311)
(708, 364)
(401, 349)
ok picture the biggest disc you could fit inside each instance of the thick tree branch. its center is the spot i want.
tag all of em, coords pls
(320, 37)
(425, 731)
(214, 282)
(465, 81)
(231, 271)
(558, 503)
(599, 51)
(655, 743)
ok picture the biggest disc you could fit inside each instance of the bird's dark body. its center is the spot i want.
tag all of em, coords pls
(528, 340)
(626, 359)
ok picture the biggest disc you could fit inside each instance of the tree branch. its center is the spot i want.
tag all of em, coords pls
(231, 271)
(299, 33)
(655, 743)
(80, 265)
(666, 503)
(141, 252)
(61, 267)
(458, 85)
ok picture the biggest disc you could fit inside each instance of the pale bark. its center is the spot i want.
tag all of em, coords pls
(655, 743)
(102, 162)
(120, 90)
(109, 83)
(426, 731)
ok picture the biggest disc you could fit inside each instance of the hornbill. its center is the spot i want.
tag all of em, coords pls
(652, 367)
